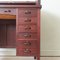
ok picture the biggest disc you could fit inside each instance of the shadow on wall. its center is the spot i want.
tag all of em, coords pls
(50, 34)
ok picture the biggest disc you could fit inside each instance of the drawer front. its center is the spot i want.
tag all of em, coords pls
(27, 44)
(26, 52)
(27, 28)
(27, 20)
(27, 36)
(27, 12)
(10, 11)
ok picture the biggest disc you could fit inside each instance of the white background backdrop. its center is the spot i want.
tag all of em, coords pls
(50, 28)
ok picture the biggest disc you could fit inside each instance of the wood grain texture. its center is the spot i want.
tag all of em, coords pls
(7, 16)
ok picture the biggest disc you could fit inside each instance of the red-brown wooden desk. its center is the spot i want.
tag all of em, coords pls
(20, 29)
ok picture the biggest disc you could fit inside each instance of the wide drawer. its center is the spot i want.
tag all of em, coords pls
(25, 12)
(27, 44)
(27, 35)
(10, 11)
(26, 52)
(27, 28)
(27, 20)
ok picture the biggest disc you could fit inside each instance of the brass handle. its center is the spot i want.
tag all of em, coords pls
(27, 51)
(28, 20)
(27, 35)
(27, 12)
(27, 43)
(28, 28)
(7, 11)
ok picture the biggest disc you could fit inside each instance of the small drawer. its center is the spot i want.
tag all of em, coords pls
(27, 35)
(26, 43)
(27, 12)
(26, 52)
(27, 20)
(27, 28)
(10, 11)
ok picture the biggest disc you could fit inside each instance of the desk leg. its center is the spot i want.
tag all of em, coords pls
(37, 58)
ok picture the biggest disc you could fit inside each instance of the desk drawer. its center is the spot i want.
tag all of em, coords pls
(27, 44)
(10, 11)
(27, 28)
(26, 52)
(27, 20)
(27, 12)
(27, 35)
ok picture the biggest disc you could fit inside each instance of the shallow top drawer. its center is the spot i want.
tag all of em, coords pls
(10, 11)
(27, 12)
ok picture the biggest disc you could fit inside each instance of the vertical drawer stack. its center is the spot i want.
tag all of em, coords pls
(27, 32)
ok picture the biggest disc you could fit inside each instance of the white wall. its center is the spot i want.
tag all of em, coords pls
(50, 28)
(50, 58)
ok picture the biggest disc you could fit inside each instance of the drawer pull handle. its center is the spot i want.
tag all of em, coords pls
(27, 51)
(7, 11)
(28, 20)
(28, 28)
(27, 43)
(27, 12)
(27, 35)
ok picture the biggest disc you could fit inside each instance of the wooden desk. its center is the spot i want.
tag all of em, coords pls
(21, 31)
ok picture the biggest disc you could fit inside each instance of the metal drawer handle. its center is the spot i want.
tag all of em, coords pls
(28, 28)
(28, 20)
(27, 12)
(27, 51)
(27, 35)
(27, 43)
(7, 11)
